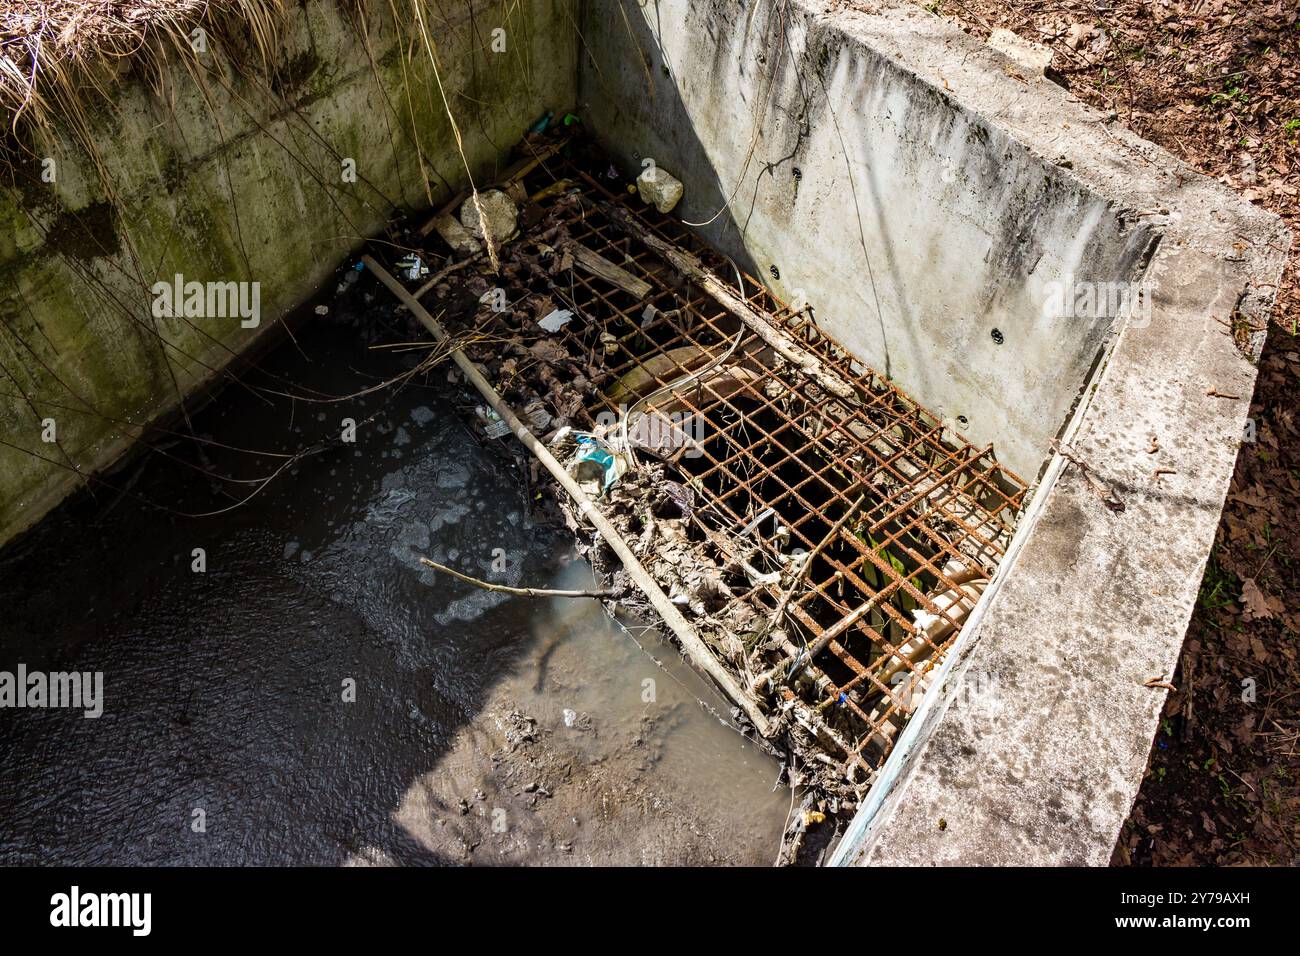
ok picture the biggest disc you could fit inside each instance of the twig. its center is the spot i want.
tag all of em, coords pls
(803, 569)
(442, 274)
(1159, 681)
(523, 592)
(1095, 485)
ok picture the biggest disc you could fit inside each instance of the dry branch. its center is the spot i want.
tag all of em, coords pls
(522, 592)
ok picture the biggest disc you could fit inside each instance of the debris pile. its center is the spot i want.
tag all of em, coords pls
(823, 535)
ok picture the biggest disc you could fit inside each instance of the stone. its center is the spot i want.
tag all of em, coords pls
(499, 212)
(660, 188)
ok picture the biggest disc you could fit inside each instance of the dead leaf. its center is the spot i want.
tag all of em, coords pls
(1254, 601)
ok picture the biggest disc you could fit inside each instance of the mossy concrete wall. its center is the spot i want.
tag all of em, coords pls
(244, 177)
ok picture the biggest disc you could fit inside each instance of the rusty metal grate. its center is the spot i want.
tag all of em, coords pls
(935, 516)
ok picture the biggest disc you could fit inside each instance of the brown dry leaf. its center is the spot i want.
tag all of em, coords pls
(1254, 601)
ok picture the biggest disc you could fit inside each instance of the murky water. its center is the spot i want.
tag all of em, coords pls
(225, 736)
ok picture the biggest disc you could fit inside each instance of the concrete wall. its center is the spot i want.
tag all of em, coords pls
(240, 181)
(914, 225)
(971, 184)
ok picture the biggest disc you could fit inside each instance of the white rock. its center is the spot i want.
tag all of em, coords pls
(498, 210)
(659, 187)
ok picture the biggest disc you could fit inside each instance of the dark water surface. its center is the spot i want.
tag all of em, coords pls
(223, 690)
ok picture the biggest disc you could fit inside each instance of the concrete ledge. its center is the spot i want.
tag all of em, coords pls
(1034, 749)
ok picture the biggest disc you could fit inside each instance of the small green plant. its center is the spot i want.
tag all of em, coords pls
(1232, 96)
(1217, 587)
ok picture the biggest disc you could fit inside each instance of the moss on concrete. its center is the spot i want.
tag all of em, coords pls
(241, 181)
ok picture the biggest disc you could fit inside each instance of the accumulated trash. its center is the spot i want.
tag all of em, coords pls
(494, 426)
(596, 464)
(412, 266)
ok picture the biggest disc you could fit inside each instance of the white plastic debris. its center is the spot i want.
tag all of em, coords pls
(556, 320)
(498, 211)
(322, 310)
(412, 266)
(494, 426)
(658, 187)
(570, 717)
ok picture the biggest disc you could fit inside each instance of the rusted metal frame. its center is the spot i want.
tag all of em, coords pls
(819, 675)
(898, 449)
(949, 516)
(787, 422)
(846, 572)
(1020, 484)
(912, 667)
(628, 316)
(919, 525)
(749, 388)
(969, 531)
(821, 678)
(939, 478)
(886, 569)
(984, 545)
(790, 455)
(837, 496)
(881, 643)
(894, 583)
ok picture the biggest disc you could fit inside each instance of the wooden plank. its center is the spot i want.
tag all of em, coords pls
(602, 268)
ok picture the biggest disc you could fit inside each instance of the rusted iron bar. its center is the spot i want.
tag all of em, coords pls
(691, 267)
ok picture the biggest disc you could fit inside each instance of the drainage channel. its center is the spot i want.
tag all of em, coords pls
(314, 695)
(826, 535)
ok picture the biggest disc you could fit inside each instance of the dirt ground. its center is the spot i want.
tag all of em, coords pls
(571, 761)
(1217, 83)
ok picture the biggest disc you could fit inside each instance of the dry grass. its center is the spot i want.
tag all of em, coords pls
(56, 56)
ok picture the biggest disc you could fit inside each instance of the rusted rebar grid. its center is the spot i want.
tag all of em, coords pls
(768, 479)
(936, 523)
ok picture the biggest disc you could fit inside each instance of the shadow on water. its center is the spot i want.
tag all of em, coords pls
(223, 690)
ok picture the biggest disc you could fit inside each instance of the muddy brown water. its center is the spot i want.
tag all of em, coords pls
(485, 728)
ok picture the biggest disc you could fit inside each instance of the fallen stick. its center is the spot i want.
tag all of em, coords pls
(692, 645)
(779, 613)
(615, 275)
(522, 592)
(819, 645)
(691, 267)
